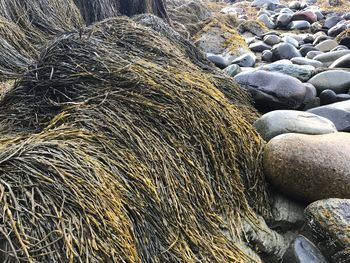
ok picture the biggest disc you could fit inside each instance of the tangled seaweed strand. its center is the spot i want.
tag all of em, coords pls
(117, 147)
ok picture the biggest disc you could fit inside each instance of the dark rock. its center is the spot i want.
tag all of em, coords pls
(306, 16)
(342, 62)
(283, 20)
(272, 90)
(266, 56)
(345, 41)
(327, 97)
(218, 60)
(329, 221)
(284, 51)
(259, 46)
(337, 29)
(332, 21)
(302, 250)
(338, 113)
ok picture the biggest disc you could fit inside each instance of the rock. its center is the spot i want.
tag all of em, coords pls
(283, 20)
(218, 60)
(326, 45)
(283, 61)
(259, 46)
(266, 56)
(345, 41)
(310, 99)
(337, 29)
(290, 40)
(230, 10)
(328, 58)
(246, 60)
(327, 97)
(302, 250)
(338, 113)
(305, 15)
(272, 90)
(233, 70)
(303, 73)
(332, 21)
(319, 37)
(260, 3)
(309, 167)
(336, 80)
(272, 40)
(279, 122)
(306, 61)
(306, 49)
(296, 5)
(284, 51)
(286, 214)
(312, 54)
(329, 221)
(266, 20)
(346, 16)
(343, 97)
(342, 62)
(298, 25)
(339, 47)
(315, 27)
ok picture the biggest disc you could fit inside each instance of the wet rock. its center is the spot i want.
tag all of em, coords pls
(328, 97)
(307, 61)
(326, 45)
(233, 70)
(303, 73)
(309, 167)
(299, 25)
(279, 122)
(218, 60)
(303, 250)
(329, 221)
(246, 60)
(284, 51)
(272, 90)
(338, 113)
(342, 62)
(328, 58)
(336, 80)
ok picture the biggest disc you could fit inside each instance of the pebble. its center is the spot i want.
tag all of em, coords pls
(233, 70)
(284, 51)
(272, 40)
(299, 25)
(342, 62)
(328, 58)
(259, 46)
(328, 97)
(326, 45)
(307, 61)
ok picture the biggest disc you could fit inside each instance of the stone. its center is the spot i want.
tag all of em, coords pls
(338, 113)
(299, 25)
(309, 167)
(246, 60)
(343, 97)
(336, 80)
(328, 58)
(307, 48)
(278, 122)
(259, 46)
(272, 90)
(313, 53)
(284, 51)
(302, 250)
(266, 20)
(305, 15)
(345, 41)
(260, 3)
(332, 21)
(307, 61)
(283, 20)
(339, 47)
(290, 40)
(342, 62)
(326, 45)
(296, 5)
(337, 29)
(286, 214)
(233, 70)
(315, 27)
(327, 97)
(303, 73)
(218, 60)
(272, 39)
(310, 99)
(266, 56)
(319, 37)
(329, 221)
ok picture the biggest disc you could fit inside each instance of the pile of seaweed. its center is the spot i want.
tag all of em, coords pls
(119, 145)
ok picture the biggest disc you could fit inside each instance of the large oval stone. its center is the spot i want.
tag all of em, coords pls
(336, 80)
(309, 167)
(279, 122)
(272, 90)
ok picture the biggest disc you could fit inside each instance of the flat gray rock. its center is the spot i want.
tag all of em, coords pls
(327, 45)
(336, 80)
